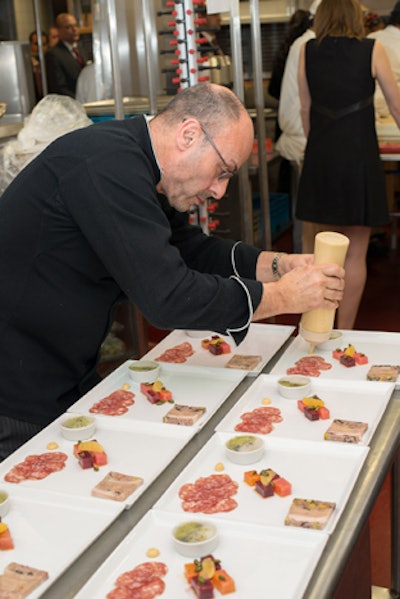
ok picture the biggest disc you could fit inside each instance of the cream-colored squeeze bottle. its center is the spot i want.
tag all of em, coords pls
(316, 325)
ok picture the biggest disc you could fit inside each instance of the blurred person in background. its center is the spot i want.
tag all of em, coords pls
(210, 31)
(65, 60)
(54, 36)
(292, 141)
(389, 37)
(342, 183)
(373, 22)
(299, 22)
(36, 67)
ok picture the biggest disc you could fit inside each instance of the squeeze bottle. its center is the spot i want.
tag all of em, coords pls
(316, 325)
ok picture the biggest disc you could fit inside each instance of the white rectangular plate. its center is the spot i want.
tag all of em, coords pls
(190, 385)
(51, 531)
(129, 451)
(381, 348)
(347, 400)
(258, 558)
(325, 472)
(262, 340)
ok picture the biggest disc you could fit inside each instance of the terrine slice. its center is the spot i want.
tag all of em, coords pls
(346, 431)
(383, 372)
(117, 486)
(309, 513)
(184, 415)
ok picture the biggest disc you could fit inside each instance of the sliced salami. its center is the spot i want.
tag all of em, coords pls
(177, 354)
(260, 420)
(115, 404)
(143, 582)
(36, 467)
(309, 366)
(209, 495)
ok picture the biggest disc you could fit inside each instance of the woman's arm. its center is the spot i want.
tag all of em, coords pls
(382, 71)
(304, 92)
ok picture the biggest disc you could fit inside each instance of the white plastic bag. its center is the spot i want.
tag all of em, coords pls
(52, 117)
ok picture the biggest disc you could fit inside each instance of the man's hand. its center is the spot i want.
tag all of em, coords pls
(302, 288)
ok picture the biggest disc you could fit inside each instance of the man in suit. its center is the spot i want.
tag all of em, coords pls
(64, 62)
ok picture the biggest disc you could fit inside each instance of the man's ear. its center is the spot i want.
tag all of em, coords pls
(188, 133)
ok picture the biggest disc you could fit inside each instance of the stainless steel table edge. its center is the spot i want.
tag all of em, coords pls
(382, 454)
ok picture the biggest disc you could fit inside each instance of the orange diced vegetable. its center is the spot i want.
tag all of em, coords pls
(223, 582)
(300, 405)
(282, 487)
(205, 343)
(251, 477)
(323, 413)
(190, 571)
(165, 395)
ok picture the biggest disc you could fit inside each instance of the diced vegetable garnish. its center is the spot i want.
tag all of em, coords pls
(311, 414)
(223, 582)
(264, 490)
(360, 358)
(251, 477)
(323, 413)
(347, 361)
(282, 487)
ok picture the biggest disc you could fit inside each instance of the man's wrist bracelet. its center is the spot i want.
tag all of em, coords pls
(274, 265)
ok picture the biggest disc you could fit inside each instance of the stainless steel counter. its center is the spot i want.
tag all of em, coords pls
(328, 572)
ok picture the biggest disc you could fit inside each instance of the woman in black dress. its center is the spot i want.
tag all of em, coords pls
(342, 186)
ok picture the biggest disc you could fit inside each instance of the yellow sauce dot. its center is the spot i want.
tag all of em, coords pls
(152, 552)
(52, 445)
(126, 386)
(266, 401)
(219, 467)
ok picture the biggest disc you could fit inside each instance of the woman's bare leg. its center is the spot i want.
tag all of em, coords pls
(355, 266)
(356, 274)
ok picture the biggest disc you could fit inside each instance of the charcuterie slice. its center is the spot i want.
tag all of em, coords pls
(309, 366)
(36, 467)
(19, 580)
(243, 362)
(309, 513)
(143, 582)
(116, 486)
(346, 431)
(177, 354)
(115, 404)
(259, 420)
(209, 495)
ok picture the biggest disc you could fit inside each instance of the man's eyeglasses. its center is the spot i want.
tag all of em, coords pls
(228, 173)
